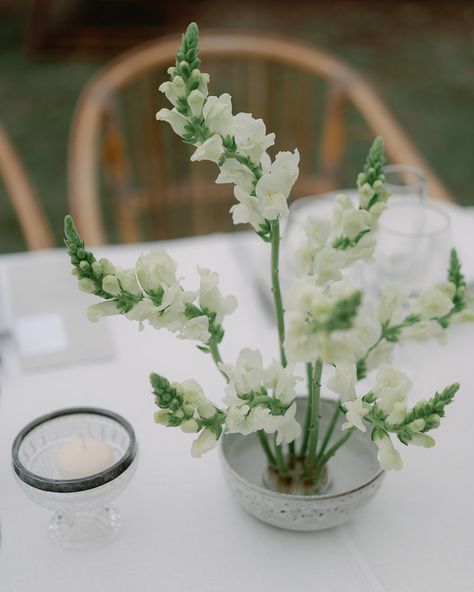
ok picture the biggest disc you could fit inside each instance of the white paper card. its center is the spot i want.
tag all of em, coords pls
(40, 334)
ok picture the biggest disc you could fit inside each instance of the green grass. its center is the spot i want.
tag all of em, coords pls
(418, 58)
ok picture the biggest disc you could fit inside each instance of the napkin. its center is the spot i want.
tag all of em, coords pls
(47, 314)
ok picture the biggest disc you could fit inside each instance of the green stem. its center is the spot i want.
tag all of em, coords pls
(266, 448)
(216, 356)
(331, 452)
(314, 425)
(307, 423)
(280, 461)
(279, 310)
(329, 431)
(292, 450)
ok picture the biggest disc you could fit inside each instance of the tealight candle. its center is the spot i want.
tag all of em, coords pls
(83, 456)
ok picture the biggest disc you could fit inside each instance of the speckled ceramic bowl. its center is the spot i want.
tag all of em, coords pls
(354, 472)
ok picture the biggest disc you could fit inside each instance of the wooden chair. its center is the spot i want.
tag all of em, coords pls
(33, 222)
(310, 99)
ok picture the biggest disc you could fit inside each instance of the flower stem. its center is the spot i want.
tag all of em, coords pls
(279, 310)
(280, 461)
(331, 452)
(314, 424)
(329, 431)
(216, 356)
(266, 448)
(307, 423)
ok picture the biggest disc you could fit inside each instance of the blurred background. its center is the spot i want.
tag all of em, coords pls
(417, 56)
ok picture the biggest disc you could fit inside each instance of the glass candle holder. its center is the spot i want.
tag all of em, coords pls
(48, 452)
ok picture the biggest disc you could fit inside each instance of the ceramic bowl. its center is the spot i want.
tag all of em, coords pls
(354, 473)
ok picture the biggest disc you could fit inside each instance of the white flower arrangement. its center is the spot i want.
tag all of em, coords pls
(327, 320)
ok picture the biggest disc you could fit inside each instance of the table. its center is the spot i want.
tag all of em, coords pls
(181, 529)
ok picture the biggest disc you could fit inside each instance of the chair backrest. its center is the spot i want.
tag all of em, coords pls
(309, 98)
(32, 220)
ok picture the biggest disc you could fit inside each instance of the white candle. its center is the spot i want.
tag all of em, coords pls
(81, 457)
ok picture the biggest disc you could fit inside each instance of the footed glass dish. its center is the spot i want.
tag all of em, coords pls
(83, 518)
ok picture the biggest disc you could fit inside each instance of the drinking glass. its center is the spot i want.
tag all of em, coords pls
(413, 246)
(405, 181)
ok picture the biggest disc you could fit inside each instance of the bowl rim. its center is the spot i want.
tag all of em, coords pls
(81, 483)
(290, 496)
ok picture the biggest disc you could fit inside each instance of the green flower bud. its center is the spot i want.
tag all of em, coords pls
(188, 410)
(434, 420)
(87, 285)
(84, 265)
(417, 425)
(97, 268)
(206, 410)
(190, 426)
(173, 404)
(179, 413)
(183, 67)
(75, 272)
(162, 417)
(106, 266)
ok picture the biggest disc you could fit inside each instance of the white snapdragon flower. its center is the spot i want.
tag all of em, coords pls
(288, 429)
(235, 418)
(174, 89)
(388, 457)
(251, 136)
(177, 121)
(102, 309)
(247, 210)
(195, 329)
(192, 392)
(391, 387)
(355, 221)
(204, 442)
(142, 311)
(343, 381)
(422, 440)
(424, 331)
(217, 112)
(363, 250)
(301, 344)
(436, 302)
(464, 316)
(285, 166)
(381, 354)
(270, 196)
(110, 284)
(327, 265)
(212, 149)
(342, 203)
(282, 381)
(203, 80)
(398, 413)
(210, 296)
(128, 281)
(232, 171)
(247, 375)
(196, 102)
(366, 193)
(356, 410)
(317, 231)
(156, 269)
(390, 306)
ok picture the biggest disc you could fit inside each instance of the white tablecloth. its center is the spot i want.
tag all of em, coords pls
(181, 529)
